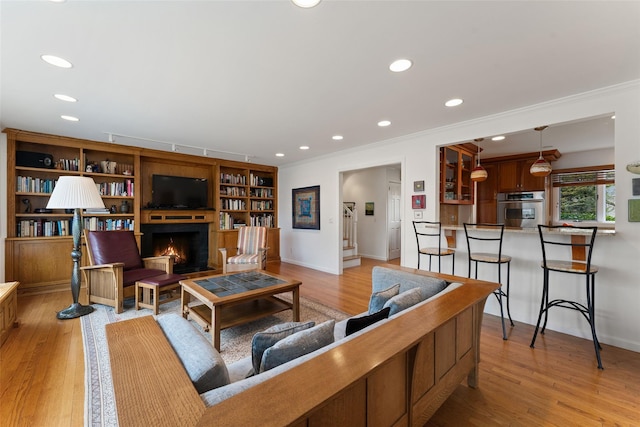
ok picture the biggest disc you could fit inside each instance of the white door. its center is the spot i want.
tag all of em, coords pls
(394, 220)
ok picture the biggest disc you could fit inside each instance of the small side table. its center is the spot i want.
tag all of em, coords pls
(152, 287)
(8, 309)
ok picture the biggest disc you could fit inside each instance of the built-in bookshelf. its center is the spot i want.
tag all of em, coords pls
(243, 194)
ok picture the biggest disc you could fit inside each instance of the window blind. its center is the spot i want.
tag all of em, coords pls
(587, 177)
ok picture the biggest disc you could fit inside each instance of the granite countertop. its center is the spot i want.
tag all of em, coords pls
(601, 231)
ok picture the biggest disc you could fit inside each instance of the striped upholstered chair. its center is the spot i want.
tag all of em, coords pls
(251, 253)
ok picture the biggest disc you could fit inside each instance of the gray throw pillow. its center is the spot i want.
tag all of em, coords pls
(203, 363)
(378, 299)
(404, 300)
(267, 338)
(297, 345)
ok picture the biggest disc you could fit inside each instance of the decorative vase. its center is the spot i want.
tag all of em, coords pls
(124, 207)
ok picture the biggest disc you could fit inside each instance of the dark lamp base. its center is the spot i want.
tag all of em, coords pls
(74, 310)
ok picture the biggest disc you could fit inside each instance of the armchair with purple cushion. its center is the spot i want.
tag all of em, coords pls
(116, 265)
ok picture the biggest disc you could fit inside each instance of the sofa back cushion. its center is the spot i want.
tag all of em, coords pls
(378, 299)
(203, 363)
(383, 278)
(109, 247)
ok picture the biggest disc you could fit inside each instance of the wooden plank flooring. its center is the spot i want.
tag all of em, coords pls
(558, 383)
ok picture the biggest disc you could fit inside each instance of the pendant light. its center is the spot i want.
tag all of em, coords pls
(541, 167)
(478, 173)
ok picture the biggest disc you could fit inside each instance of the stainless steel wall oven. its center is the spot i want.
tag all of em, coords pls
(526, 209)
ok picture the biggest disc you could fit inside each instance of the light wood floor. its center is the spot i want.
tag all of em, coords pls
(558, 383)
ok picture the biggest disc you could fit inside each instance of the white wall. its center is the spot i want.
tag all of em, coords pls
(618, 286)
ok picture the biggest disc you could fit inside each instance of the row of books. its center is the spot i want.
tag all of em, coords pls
(261, 205)
(116, 188)
(43, 227)
(29, 184)
(228, 222)
(108, 224)
(265, 220)
(69, 164)
(227, 178)
(233, 204)
(233, 191)
(262, 192)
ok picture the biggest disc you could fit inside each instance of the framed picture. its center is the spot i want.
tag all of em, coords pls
(634, 210)
(418, 201)
(418, 186)
(306, 207)
(368, 208)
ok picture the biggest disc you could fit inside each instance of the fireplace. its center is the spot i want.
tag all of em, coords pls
(188, 243)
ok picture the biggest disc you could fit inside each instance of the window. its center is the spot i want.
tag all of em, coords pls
(585, 195)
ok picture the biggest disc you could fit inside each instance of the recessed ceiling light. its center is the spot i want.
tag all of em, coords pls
(66, 98)
(305, 3)
(613, 117)
(279, 154)
(57, 61)
(498, 138)
(304, 147)
(384, 123)
(453, 102)
(400, 65)
(70, 118)
(337, 137)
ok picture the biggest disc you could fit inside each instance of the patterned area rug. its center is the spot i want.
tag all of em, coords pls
(100, 408)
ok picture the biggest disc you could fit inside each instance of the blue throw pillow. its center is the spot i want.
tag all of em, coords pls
(357, 323)
(267, 338)
(298, 344)
(378, 299)
(404, 300)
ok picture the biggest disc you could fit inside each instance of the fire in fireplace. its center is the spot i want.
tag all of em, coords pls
(188, 243)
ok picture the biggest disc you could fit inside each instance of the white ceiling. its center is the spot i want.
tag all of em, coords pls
(260, 77)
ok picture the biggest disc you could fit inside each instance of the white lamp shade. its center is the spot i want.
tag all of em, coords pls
(73, 192)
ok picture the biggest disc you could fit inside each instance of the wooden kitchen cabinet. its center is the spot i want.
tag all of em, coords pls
(487, 196)
(456, 186)
(515, 176)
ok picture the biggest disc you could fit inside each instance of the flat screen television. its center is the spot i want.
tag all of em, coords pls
(179, 192)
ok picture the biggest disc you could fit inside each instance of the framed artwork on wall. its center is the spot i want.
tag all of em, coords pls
(368, 208)
(418, 201)
(306, 207)
(634, 210)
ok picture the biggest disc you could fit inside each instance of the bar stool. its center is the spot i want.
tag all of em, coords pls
(488, 239)
(426, 234)
(581, 243)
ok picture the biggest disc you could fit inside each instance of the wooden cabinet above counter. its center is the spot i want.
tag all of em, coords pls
(456, 163)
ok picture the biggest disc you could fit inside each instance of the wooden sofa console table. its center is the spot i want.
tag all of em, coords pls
(396, 374)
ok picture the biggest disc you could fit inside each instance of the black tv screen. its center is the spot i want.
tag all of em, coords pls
(179, 192)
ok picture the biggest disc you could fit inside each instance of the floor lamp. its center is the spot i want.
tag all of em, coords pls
(75, 192)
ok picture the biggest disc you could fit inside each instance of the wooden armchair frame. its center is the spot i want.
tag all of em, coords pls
(105, 281)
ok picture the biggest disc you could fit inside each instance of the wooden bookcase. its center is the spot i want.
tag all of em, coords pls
(246, 195)
(39, 243)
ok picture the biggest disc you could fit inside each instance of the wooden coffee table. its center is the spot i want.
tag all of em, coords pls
(226, 300)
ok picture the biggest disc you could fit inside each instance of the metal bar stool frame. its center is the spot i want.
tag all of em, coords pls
(433, 251)
(489, 233)
(572, 267)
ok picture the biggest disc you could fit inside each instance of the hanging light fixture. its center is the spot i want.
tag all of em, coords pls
(541, 167)
(478, 173)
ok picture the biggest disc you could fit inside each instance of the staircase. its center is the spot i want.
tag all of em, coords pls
(350, 257)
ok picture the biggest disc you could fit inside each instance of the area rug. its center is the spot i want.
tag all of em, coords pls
(100, 408)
